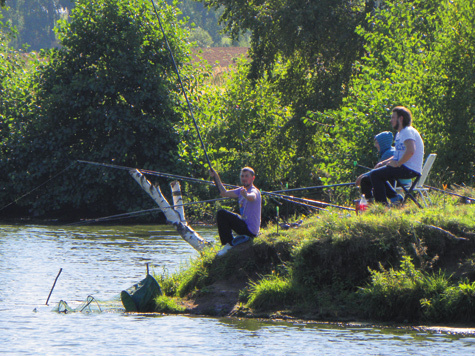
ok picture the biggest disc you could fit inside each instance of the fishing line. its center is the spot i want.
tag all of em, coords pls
(154, 173)
(272, 194)
(450, 193)
(42, 184)
(139, 212)
(310, 188)
(181, 83)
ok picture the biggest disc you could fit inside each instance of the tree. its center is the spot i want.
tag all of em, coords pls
(34, 21)
(17, 106)
(317, 43)
(448, 92)
(418, 54)
(107, 95)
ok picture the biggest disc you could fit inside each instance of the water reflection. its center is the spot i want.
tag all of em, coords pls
(102, 261)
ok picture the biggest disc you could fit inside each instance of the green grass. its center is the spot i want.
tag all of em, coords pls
(398, 264)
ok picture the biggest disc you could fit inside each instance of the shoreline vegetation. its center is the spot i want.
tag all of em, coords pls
(401, 265)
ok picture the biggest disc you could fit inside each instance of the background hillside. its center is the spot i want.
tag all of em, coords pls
(35, 22)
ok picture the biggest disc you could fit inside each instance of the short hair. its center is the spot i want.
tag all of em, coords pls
(406, 115)
(248, 169)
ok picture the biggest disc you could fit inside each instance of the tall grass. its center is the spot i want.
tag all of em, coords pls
(408, 294)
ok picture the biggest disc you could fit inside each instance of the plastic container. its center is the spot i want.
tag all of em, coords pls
(363, 203)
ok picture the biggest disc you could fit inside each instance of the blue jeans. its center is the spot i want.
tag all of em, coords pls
(227, 222)
(380, 176)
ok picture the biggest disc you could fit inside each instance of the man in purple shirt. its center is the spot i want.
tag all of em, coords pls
(249, 221)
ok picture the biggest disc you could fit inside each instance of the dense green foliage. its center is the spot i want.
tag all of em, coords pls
(418, 54)
(107, 95)
(302, 111)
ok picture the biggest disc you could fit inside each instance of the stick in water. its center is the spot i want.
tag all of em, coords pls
(51, 291)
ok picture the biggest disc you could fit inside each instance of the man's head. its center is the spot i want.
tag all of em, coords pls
(247, 176)
(401, 118)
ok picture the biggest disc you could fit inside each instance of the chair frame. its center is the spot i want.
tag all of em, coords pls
(418, 183)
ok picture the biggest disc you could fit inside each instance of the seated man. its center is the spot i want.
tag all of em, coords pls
(407, 160)
(249, 222)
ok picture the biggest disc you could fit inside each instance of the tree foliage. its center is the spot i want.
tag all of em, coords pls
(34, 21)
(107, 95)
(418, 54)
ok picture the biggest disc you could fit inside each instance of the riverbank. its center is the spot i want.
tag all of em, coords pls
(403, 265)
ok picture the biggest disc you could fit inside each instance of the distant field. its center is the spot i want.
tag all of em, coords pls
(226, 56)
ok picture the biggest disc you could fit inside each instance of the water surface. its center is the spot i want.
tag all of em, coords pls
(101, 261)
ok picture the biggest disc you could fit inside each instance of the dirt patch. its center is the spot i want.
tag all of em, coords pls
(240, 266)
(218, 299)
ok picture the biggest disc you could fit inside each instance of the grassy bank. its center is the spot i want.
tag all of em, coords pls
(399, 264)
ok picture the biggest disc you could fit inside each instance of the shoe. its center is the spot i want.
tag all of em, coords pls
(240, 240)
(398, 199)
(224, 250)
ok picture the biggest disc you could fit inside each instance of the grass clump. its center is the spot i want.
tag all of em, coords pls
(408, 294)
(271, 292)
(165, 304)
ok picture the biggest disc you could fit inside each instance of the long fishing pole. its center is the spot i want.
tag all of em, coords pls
(154, 173)
(290, 197)
(272, 194)
(450, 193)
(202, 181)
(310, 188)
(132, 214)
(181, 83)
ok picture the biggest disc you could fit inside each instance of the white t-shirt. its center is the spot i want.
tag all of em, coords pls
(410, 133)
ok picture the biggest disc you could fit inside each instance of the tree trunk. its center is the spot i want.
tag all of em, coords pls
(173, 216)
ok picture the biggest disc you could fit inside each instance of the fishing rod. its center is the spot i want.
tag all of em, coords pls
(202, 181)
(139, 212)
(450, 193)
(272, 194)
(181, 83)
(290, 197)
(154, 173)
(315, 187)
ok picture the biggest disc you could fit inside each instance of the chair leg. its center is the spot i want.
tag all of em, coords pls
(422, 198)
(408, 193)
(425, 198)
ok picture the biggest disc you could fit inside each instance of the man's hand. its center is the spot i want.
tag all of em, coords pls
(358, 180)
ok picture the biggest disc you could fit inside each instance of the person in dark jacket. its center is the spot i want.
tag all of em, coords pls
(383, 143)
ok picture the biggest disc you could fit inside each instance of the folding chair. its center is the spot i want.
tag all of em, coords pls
(418, 183)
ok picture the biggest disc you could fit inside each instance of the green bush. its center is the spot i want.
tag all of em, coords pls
(409, 294)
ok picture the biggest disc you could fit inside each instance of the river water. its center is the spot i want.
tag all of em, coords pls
(102, 261)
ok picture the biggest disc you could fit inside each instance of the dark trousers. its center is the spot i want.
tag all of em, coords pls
(379, 178)
(367, 188)
(229, 222)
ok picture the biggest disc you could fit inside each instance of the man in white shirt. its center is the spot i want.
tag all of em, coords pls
(407, 160)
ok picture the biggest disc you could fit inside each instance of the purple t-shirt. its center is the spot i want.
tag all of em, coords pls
(250, 210)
